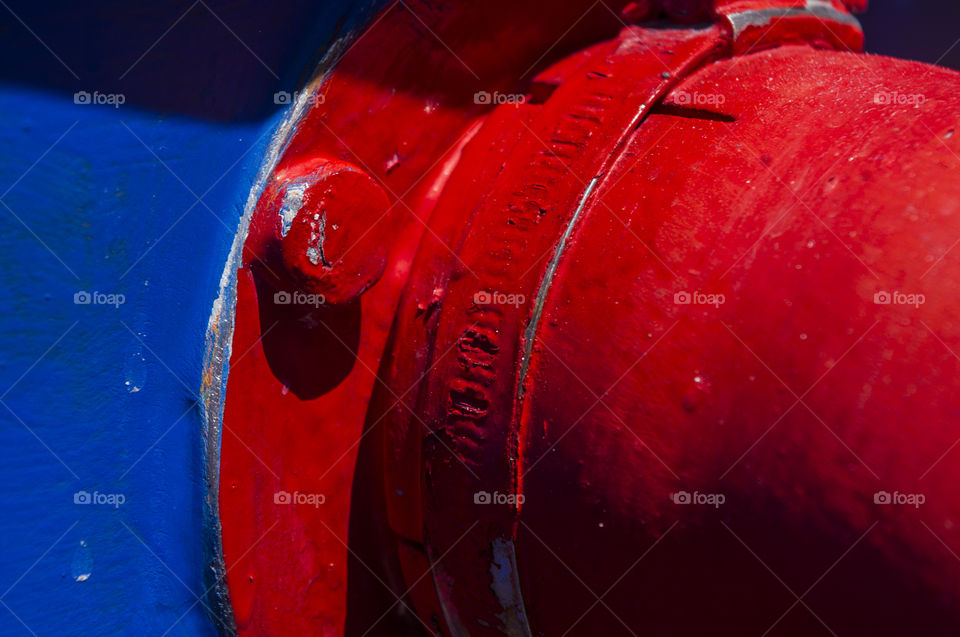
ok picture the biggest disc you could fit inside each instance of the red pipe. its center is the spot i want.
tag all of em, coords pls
(663, 343)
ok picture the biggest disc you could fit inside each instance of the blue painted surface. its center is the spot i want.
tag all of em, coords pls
(141, 201)
(98, 398)
(116, 378)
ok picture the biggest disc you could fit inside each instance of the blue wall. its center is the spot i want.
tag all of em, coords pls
(99, 398)
(95, 409)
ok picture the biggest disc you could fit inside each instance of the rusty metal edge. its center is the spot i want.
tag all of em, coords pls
(218, 346)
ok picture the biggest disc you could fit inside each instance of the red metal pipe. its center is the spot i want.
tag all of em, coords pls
(656, 340)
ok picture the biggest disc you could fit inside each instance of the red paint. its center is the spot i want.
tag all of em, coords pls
(712, 381)
(467, 398)
(301, 377)
(643, 164)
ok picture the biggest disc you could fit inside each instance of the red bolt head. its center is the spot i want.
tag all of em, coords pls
(334, 224)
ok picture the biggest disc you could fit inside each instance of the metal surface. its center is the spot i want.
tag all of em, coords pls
(820, 9)
(496, 427)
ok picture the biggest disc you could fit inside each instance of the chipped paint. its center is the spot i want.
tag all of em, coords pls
(505, 583)
(530, 332)
(219, 339)
(317, 238)
(292, 202)
(762, 17)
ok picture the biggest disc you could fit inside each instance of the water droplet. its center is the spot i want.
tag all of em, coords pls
(135, 372)
(82, 565)
(696, 394)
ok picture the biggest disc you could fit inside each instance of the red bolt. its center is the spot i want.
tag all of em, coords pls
(334, 224)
